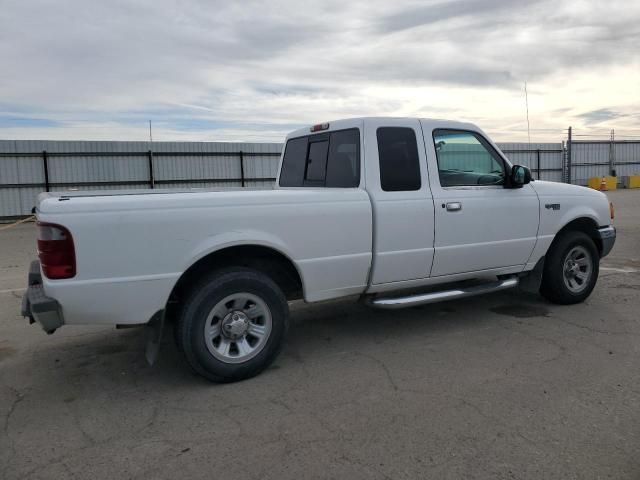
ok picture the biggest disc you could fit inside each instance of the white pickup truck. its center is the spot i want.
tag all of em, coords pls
(398, 211)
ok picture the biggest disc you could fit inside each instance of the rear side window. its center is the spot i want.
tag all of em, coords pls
(327, 160)
(343, 166)
(399, 161)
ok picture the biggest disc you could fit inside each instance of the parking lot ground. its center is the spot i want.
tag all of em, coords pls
(501, 386)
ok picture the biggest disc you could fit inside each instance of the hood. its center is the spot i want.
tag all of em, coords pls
(543, 187)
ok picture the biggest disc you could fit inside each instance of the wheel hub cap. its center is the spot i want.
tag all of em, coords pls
(578, 267)
(235, 325)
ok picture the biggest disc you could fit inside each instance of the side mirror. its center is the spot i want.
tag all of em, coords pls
(519, 176)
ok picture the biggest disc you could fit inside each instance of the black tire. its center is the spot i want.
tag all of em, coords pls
(206, 295)
(554, 287)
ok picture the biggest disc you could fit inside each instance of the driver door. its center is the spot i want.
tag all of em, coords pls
(479, 224)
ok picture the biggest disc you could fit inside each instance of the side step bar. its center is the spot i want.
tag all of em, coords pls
(441, 296)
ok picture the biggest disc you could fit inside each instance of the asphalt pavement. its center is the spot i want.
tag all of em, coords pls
(501, 386)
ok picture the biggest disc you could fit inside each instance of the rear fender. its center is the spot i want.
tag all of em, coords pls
(234, 239)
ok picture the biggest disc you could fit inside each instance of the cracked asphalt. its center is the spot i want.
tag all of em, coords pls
(501, 386)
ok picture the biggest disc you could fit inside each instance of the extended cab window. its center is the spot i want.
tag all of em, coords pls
(399, 161)
(466, 159)
(327, 160)
(317, 161)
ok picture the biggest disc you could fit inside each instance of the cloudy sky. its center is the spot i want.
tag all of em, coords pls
(208, 70)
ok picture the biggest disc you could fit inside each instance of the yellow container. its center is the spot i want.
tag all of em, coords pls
(611, 182)
(594, 182)
(632, 181)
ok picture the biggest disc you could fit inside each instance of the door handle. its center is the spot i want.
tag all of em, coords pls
(454, 206)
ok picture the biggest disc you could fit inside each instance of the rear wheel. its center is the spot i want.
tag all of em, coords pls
(233, 324)
(571, 269)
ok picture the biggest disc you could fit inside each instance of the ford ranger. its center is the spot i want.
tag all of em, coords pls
(397, 211)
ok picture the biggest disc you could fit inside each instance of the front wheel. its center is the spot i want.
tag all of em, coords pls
(571, 269)
(233, 324)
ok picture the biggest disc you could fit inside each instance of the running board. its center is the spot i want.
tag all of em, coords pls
(441, 296)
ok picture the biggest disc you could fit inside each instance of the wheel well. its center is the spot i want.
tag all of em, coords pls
(585, 225)
(264, 259)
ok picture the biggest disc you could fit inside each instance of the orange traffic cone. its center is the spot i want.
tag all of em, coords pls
(603, 185)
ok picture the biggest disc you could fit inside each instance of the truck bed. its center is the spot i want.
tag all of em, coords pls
(131, 248)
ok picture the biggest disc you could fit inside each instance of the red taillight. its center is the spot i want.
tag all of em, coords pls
(56, 252)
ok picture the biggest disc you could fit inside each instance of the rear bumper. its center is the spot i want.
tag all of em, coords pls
(37, 306)
(608, 239)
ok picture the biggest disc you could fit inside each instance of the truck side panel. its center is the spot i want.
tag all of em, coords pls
(131, 250)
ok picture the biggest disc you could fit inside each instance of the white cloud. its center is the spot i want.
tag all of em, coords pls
(254, 70)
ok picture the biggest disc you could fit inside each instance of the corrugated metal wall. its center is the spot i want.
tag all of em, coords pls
(16, 169)
(128, 165)
(589, 159)
(626, 158)
(544, 159)
(597, 158)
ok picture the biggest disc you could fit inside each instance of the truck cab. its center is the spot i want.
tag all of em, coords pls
(442, 200)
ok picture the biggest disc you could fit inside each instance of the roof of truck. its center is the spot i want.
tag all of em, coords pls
(359, 121)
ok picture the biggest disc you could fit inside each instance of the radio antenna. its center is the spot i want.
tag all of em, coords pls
(526, 100)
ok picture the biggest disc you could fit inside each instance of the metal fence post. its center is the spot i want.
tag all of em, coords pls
(152, 181)
(538, 158)
(612, 154)
(241, 168)
(45, 166)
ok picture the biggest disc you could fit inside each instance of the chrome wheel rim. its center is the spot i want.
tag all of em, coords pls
(577, 269)
(237, 328)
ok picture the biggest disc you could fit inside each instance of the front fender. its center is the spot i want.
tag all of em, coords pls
(561, 204)
(574, 213)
